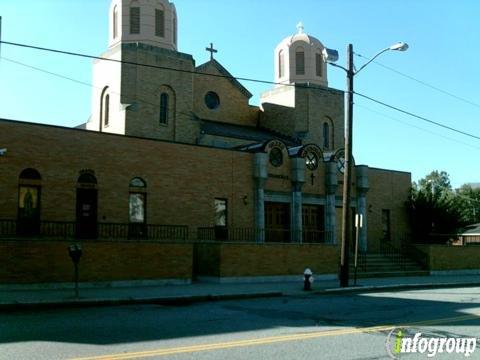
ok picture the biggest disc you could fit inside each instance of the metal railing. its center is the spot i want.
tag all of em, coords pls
(233, 234)
(470, 239)
(72, 230)
(396, 249)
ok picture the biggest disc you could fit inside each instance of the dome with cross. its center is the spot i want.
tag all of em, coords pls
(298, 59)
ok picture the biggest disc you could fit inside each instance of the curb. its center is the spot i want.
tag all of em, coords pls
(371, 288)
(166, 300)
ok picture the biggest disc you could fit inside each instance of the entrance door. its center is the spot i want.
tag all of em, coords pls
(87, 213)
(277, 222)
(313, 224)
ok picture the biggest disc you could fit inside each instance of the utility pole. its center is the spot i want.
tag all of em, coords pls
(347, 175)
(331, 56)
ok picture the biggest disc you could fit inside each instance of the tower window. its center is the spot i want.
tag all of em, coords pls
(174, 29)
(164, 108)
(159, 23)
(104, 108)
(300, 62)
(134, 20)
(115, 22)
(281, 64)
(326, 136)
(107, 109)
(319, 64)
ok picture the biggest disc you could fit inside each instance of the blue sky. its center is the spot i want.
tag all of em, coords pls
(444, 52)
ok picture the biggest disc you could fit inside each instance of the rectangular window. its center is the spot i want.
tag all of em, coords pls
(134, 20)
(386, 224)
(300, 62)
(221, 212)
(159, 23)
(319, 64)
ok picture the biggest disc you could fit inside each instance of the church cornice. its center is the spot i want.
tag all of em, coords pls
(156, 50)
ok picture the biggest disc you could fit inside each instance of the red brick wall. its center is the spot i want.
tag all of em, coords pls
(242, 259)
(444, 257)
(48, 261)
(182, 180)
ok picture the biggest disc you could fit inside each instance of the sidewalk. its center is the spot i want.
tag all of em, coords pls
(181, 294)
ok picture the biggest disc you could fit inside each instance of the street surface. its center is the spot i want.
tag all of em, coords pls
(350, 326)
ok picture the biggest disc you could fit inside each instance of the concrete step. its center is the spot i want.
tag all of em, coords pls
(390, 274)
(360, 270)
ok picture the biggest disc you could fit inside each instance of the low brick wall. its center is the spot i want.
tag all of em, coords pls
(48, 261)
(444, 257)
(245, 259)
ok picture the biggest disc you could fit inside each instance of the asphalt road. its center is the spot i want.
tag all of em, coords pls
(354, 326)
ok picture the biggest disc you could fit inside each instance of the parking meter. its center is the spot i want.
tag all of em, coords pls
(75, 252)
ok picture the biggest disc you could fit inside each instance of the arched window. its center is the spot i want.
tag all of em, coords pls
(281, 64)
(104, 108)
(29, 186)
(159, 23)
(107, 109)
(300, 61)
(326, 135)
(135, 20)
(163, 108)
(319, 64)
(115, 22)
(137, 201)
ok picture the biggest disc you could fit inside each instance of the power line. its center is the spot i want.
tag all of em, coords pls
(49, 72)
(236, 78)
(160, 67)
(80, 82)
(417, 127)
(423, 83)
(418, 116)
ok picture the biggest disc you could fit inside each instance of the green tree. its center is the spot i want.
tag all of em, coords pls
(436, 181)
(468, 202)
(434, 209)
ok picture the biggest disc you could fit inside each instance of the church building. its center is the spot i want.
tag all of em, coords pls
(174, 150)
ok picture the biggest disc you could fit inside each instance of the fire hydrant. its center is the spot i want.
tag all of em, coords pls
(307, 279)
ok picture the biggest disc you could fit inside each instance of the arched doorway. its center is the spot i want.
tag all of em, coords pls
(86, 206)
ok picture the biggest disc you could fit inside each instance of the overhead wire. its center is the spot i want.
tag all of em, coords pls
(424, 83)
(239, 79)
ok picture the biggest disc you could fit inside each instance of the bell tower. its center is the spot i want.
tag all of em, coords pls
(152, 22)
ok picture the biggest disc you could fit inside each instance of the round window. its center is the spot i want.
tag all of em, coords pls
(212, 101)
(276, 157)
(311, 160)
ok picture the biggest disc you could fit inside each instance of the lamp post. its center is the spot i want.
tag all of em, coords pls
(330, 56)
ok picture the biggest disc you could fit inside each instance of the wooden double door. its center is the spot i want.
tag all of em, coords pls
(278, 223)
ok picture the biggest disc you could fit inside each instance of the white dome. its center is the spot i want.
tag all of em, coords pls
(152, 22)
(298, 59)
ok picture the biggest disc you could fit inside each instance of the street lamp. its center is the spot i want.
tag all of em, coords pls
(330, 56)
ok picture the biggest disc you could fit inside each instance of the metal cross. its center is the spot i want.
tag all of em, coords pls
(211, 50)
(312, 176)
